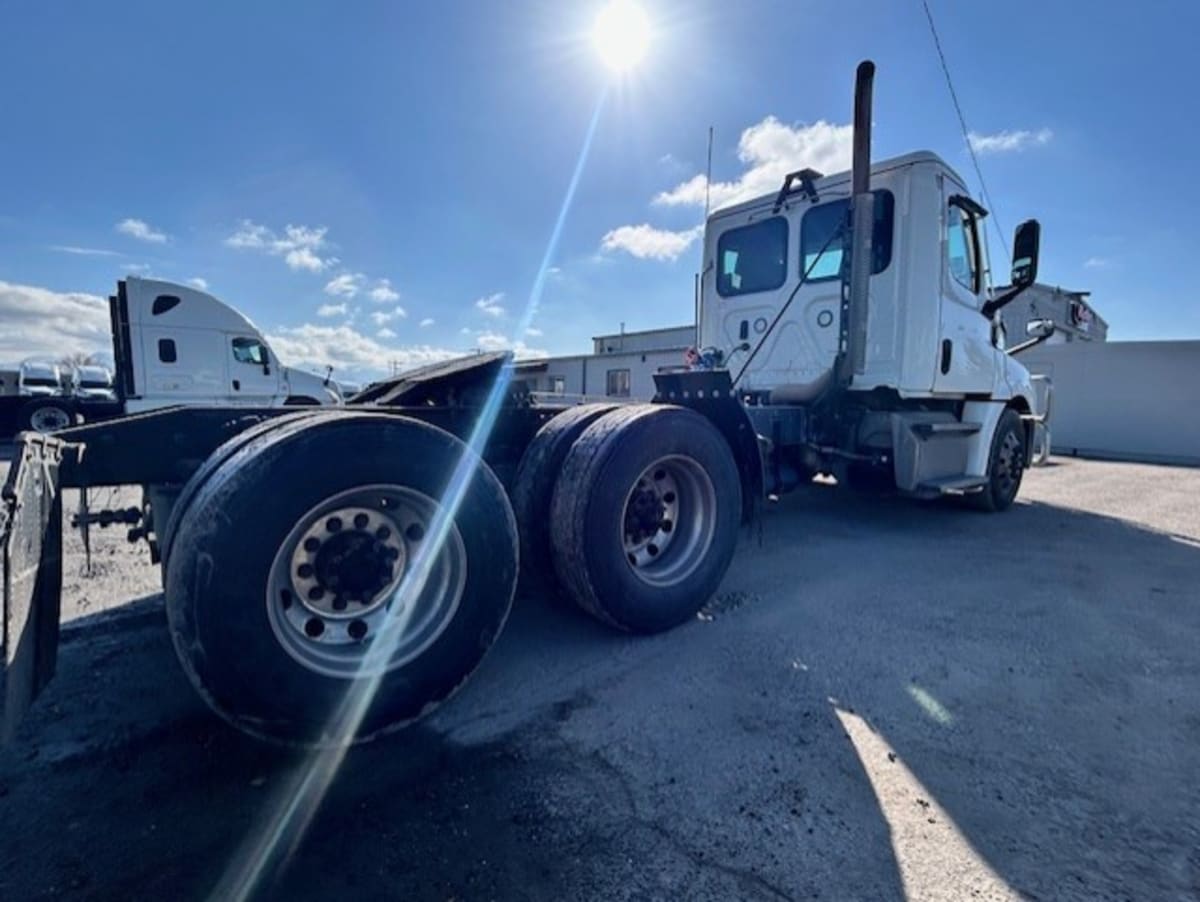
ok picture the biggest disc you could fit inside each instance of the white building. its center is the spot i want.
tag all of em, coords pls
(1074, 318)
(620, 365)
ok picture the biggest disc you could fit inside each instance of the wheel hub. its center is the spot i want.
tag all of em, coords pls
(339, 580)
(347, 562)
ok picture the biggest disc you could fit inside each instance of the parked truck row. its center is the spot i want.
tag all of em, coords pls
(334, 573)
(172, 345)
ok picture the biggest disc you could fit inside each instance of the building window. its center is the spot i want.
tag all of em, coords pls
(827, 220)
(558, 385)
(617, 384)
(752, 258)
(166, 350)
(250, 350)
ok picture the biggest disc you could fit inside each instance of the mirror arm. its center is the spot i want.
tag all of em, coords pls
(1032, 343)
(990, 308)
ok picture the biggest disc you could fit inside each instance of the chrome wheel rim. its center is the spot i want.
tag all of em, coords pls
(668, 521)
(49, 419)
(345, 595)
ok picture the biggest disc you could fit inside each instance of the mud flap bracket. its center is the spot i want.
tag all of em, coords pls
(30, 573)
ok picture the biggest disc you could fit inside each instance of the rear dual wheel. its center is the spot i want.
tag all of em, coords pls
(645, 516)
(339, 577)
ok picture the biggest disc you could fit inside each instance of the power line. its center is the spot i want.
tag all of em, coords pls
(962, 121)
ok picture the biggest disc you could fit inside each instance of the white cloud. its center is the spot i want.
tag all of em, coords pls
(41, 322)
(141, 269)
(491, 306)
(349, 352)
(427, 322)
(380, 317)
(494, 341)
(327, 310)
(534, 332)
(83, 251)
(297, 246)
(646, 242)
(141, 230)
(1097, 262)
(1005, 141)
(385, 333)
(384, 293)
(346, 285)
(770, 149)
(199, 282)
(465, 330)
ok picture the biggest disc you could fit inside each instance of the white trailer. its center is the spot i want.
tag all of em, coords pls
(332, 575)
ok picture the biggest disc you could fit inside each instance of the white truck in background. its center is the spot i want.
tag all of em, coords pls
(172, 345)
(92, 382)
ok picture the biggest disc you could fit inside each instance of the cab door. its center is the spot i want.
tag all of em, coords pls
(253, 375)
(966, 356)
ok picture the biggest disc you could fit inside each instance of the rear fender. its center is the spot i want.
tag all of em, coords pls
(711, 394)
(30, 573)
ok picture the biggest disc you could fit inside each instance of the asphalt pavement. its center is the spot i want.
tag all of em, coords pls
(886, 700)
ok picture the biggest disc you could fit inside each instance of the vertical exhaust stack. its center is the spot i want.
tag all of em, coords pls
(852, 350)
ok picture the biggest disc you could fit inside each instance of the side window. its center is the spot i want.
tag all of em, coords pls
(752, 258)
(617, 384)
(821, 225)
(166, 350)
(963, 248)
(250, 350)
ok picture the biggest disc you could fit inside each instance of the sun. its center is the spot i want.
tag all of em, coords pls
(621, 35)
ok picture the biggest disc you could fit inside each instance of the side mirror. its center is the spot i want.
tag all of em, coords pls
(1039, 328)
(1025, 254)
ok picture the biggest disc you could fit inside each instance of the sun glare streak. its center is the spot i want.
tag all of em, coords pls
(297, 803)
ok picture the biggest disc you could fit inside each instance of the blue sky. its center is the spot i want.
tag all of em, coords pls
(420, 153)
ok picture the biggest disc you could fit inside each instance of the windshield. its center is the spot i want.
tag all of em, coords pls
(40, 381)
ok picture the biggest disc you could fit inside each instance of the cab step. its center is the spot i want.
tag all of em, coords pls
(953, 485)
(926, 430)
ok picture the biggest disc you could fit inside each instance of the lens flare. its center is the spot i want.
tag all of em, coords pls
(293, 809)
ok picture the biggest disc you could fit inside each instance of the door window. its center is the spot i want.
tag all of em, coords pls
(752, 258)
(963, 248)
(250, 350)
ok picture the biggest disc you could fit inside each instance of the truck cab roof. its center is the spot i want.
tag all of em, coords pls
(838, 179)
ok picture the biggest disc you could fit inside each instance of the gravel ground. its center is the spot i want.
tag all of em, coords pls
(886, 700)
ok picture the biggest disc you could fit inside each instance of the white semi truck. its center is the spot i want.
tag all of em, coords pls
(331, 575)
(172, 345)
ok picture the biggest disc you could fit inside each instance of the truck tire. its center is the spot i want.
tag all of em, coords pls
(645, 516)
(533, 491)
(1006, 465)
(211, 464)
(289, 597)
(47, 415)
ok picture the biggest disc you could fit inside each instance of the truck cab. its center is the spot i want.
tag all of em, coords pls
(175, 344)
(39, 379)
(92, 382)
(894, 370)
(927, 335)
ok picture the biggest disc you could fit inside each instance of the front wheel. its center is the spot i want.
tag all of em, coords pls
(1006, 465)
(340, 577)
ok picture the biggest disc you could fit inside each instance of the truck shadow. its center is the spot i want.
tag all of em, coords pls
(869, 666)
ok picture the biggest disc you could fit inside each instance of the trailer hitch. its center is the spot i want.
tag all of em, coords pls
(30, 574)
